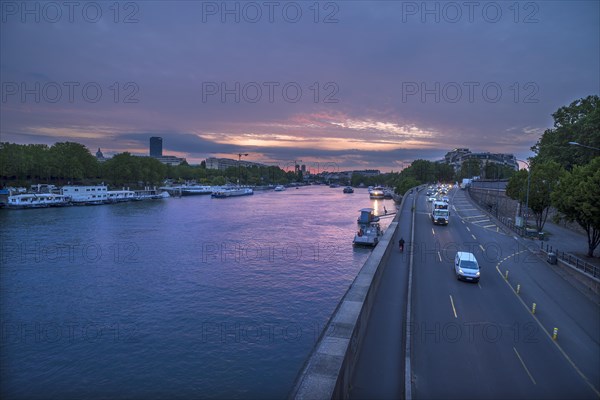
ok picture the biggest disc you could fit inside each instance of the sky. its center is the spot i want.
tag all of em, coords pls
(350, 84)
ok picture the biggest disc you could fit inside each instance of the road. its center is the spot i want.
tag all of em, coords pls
(479, 340)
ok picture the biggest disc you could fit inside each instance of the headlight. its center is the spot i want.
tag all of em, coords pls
(460, 271)
(477, 273)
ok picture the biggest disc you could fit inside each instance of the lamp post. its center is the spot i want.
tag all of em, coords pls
(527, 195)
(239, 164)
(583, 145)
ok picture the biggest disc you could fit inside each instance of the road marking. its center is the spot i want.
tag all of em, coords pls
(481, 247)
(440, 256)
(524, 366)
(473, 236)
(560, 349)
(462, 220)
(432, 231)
(478, 284)
(480, 221)
(489, 226)
(468, 229)
(475, 216)
(453, 308)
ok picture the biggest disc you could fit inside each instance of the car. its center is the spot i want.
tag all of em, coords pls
(466, 267)
(446, 199)
(431, 198)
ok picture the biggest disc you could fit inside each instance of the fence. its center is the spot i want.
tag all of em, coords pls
(576, 262)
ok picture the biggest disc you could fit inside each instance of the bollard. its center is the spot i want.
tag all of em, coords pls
(506, 275)
(518, 289)
(533, 308)
(555, 334)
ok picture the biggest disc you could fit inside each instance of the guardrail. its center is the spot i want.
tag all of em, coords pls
(581, 265)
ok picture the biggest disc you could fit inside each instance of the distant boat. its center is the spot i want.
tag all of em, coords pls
(119, 196)
(193, 190)
(150, 194)
(279, 188)
(348, 189)
(33, 200)
(232, 192)
(376, 193)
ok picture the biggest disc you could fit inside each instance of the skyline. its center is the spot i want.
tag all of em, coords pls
(365, 85)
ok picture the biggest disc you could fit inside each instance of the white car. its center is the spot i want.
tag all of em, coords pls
(431, 198)
(466, 267)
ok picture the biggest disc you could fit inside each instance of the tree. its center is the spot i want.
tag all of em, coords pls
(543, 180)
(578, 122)
(406, 183)
(470, 168)
(577, 198)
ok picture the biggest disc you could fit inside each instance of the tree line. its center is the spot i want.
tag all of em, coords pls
(563, 175)
(70, 162)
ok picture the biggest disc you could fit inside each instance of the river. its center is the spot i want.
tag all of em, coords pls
(178, 298)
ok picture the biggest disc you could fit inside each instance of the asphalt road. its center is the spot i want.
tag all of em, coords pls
(479, 340)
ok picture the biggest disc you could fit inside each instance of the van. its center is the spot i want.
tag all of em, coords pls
(466, 267)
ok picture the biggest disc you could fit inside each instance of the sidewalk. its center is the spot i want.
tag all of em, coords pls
(569, 241)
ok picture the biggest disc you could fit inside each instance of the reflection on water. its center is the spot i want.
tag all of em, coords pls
(184, 297)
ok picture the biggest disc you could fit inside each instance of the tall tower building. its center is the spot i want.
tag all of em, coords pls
(155, 146)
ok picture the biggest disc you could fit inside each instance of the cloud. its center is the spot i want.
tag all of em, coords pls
(376, 83)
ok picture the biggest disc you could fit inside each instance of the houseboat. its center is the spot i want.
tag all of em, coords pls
(35, 200)
(86, 195)
(232, 192)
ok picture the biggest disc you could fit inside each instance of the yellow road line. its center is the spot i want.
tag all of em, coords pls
(524, 366)
(453, 308)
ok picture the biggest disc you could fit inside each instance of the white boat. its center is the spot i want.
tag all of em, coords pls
(232, 192)
(377, 193)
(35, 200)
(369, 230)
(120, 196)
(88, 195)
(150, 194)
(193, 190)
(279, 188)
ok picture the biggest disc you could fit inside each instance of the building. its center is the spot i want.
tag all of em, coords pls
(458, 156)
(224, 163)
(170, 160)
(100, 156)
(367, 172)
(156, 144)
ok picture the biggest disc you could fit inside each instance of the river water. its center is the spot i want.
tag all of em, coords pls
(178, 298)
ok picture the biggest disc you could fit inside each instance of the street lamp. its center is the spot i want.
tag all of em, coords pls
(239, 163)
(583, 145)
(527, 195)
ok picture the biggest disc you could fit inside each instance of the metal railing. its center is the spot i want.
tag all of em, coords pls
(576, 262)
